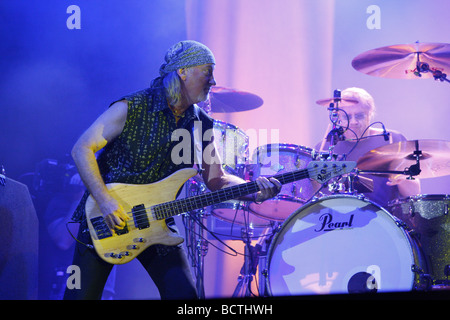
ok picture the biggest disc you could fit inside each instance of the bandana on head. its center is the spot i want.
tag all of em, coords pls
(186, 54)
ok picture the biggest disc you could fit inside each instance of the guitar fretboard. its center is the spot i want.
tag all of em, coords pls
(172, 208)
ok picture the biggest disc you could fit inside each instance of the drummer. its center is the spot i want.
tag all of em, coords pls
(358, 116)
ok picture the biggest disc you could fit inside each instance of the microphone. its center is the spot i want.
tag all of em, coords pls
(385, 134)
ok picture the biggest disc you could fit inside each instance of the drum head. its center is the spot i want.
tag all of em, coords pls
(277, 208)
(237, 212)
(279, 158)
(231, 143)
(340, 244)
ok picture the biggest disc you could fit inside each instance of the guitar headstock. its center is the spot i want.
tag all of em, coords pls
(322, 171)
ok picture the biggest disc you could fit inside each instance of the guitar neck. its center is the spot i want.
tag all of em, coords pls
(176, 207)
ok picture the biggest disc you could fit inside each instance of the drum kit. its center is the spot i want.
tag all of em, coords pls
(313, 243)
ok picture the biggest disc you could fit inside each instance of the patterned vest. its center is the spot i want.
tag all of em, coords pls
(143, 152)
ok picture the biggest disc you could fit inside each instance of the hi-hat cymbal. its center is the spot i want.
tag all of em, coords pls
(434, 158)
(224, 100)
(405, 61)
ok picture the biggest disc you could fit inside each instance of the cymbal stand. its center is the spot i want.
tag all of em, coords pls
(423, 67)
(337, 132)
(413, 170)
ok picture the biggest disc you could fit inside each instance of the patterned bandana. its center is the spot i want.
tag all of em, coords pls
(186, 54)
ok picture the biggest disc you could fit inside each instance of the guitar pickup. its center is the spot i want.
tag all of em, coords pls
(101, 228)
(140, 217)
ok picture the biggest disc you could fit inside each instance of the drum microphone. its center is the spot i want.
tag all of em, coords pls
(385, 133)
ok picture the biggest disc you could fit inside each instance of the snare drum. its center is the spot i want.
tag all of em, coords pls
(273, 159)
(342, 244)
(428, 215)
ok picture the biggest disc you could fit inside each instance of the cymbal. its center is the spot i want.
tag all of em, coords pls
(401, 61)
(342, 101)
(434, 159)
(224, 100)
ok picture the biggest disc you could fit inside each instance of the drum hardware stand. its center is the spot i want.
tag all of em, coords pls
(423, 67)
(351, 183)
(425, 281)
(201, 250)
(336, 187)
(413, 170)
(251, 258)
(248, 270)
(197, 247)
(263, 272)
(333, 137)
(196, 244)
(442, 284)
(337, 132)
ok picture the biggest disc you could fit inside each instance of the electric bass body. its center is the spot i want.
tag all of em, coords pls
(143, 229)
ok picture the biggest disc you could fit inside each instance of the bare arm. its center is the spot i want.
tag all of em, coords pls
(107, 127)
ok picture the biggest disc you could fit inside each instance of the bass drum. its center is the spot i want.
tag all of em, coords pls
(342, 244)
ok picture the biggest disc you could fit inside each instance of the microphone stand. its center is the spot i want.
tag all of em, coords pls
(336, 134)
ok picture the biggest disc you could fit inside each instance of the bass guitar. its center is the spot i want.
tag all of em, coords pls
(150, 204)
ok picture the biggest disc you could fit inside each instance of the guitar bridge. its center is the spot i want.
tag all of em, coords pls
(140, 217)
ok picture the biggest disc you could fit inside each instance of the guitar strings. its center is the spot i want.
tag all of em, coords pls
(166, 209)
(214, 234)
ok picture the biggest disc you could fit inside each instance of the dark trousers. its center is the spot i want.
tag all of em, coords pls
(167, 266)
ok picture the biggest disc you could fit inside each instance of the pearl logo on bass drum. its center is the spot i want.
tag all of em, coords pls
(328, 224)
